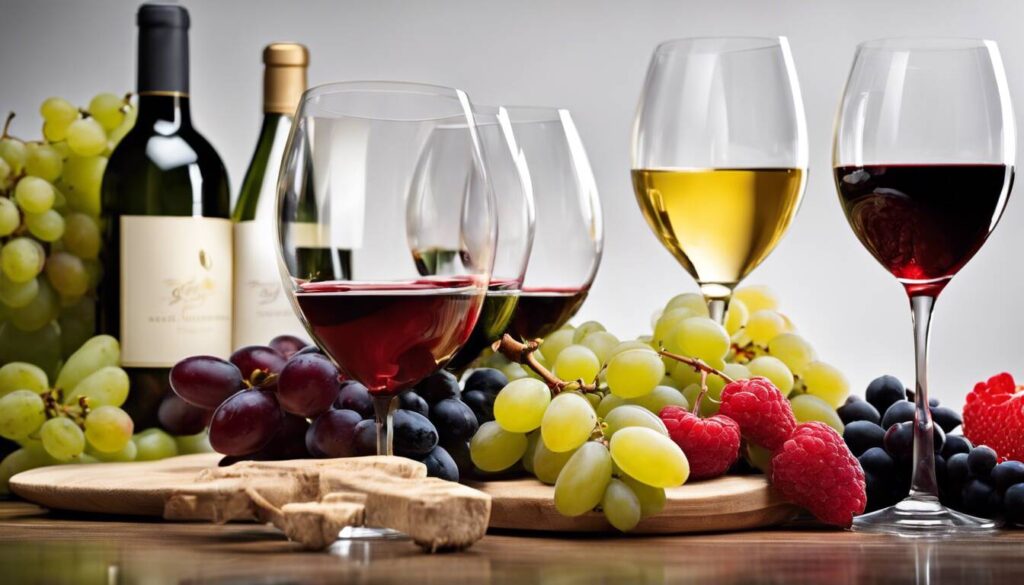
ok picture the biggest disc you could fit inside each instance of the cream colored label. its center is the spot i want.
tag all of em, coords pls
(262, 307)
(175, 289)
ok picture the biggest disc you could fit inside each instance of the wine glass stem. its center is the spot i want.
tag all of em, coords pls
(383, 410)
(923, 484)
(717, 308)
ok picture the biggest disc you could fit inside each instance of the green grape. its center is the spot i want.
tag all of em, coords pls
(568, 422)
(82, 236)
(635, 372)
(514, 371)
(20, 460)
(44, 162)
(659, 398)
(62, 438)
(702, 338)
(765, 325)
(649, 457)
(532, 438)
(17, 294)
(38, 313)
(95, 271)
(630, 415)
(108, 428)
(808, 408)
(77, 324)
(151, 444)
(41, 347)
(586, 328)
(98, 352)
(555, 343)
(577, 363)
(129, 121)
(547, 464)
(189, 444)
(47, 226)
(793, 350)
(34, 195)
(757, 298)
(736, 372)
(127, 453)
(21, 414)
(582, 482)
(667, 380)
(520, 405)
(760, 458)
(666, 325)
(607, 403)
(652, 499)
(106, 109)
(621, 506)
(22, 259)
(55, 109)
(594, 399)
(55, 131)
(107, 386)
(601, 343)
(5, 172)
(10, 219)
(14, 152)
(708, 406)
(826, 382)
(695, 302)
(67, 274)
(23, 376)
(82, 179)
(627, 346)
(736, 316)
(493, 448)
(773, 369)
(86, 137)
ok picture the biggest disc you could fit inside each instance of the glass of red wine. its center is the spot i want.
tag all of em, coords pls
(355, 227)
(569, 234)
(923, 162)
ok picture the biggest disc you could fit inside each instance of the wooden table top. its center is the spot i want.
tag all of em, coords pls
(40, 547)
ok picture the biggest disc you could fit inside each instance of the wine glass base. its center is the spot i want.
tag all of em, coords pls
(370, 533)
(917, 517)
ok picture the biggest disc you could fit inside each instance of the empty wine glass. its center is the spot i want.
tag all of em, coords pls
(923, 162)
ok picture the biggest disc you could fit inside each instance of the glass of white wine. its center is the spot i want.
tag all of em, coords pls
(720, 155)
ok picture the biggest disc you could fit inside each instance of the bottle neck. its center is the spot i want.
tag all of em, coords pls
(169, 108)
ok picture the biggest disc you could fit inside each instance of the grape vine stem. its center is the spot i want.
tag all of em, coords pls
(696, 364)
(522, 353)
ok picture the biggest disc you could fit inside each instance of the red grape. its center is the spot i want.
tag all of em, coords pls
(256, 361)
(245, 422)
(288, 443)
(308, 385)
(333, 434)
(204, 380)
(287, 345)
(366, 437)
(178, 417)
(355, 396)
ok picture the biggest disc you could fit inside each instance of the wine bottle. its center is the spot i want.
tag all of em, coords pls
(261, 307)
(166, 288)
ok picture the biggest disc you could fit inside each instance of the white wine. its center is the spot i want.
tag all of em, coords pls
(719, 223)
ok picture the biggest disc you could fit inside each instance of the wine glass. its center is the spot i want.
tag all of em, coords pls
(569, 234)
(720, 155)
(923, 162)
(354, 227)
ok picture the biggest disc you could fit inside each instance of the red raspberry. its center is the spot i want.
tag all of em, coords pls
(763, 413)
(711, 444)
(815, 469)
(994, 416)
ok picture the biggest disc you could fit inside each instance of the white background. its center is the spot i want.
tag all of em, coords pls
(589, 56)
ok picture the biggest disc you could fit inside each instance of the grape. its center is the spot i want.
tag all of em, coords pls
(287, 345)
(308, 385)
(487, 380)
(577, 363)
(41, 347)
(366, 437)
(666, 325)
(734, 371)
(438, 386)
(108, 428)
(106, 109)
(414, 434)
(204, 380)
(57, 109)
(354, 396)
(5, 171)
(34, 195)
(255, 360)
(22, 259)
(627, 346)
(441, 465)
(98, 352)
(153, 444)
(16, 295)
(702, 338)
(661, 397)
(82, 179)
(107, 386)
(649, 457)
(21, 413)
(760, 458)
(826, 382)
(793, 350)
(14, 152)
(47, 226)
(10, 218)
(651, 499)
(177, 416)
(333, 434)
(568, 422)
(39, 312)
(45, 163)
(129, 121)
(62, 438)
(453, 420)
(532, 440)
(127, 453)
(621, 506)
(808, 408)
(586, 329)
(86, 137)
(67, 274)
(736, 316)
(412, 401)
(82, 236)
(609, 402)
(481, 403)
(245, 422)
(547, 464)
(495, 449)
(629, 415)
(77, 324)
(773, 369)
(583, 480)
(634, 373)
(765, 325)
(757, 298)
(21, 460)
(601, 343)
(555, 343)
(23, 376)
(520, 407)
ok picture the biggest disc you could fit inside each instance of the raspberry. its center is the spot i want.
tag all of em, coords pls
(816, 470)
(763, 413)
(994, 416)
(711, 444)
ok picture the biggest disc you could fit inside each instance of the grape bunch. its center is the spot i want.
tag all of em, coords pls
(50, 228)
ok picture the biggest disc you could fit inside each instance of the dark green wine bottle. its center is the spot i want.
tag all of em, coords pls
(166, 291)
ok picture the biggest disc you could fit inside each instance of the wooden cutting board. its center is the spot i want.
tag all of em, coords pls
(140, 489)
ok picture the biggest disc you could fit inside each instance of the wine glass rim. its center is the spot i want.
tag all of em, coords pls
(384, 87)
(535, 114)
(754, 43)
(925, 44)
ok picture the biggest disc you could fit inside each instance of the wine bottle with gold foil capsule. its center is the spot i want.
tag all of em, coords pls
(261, 308)
(166, 291)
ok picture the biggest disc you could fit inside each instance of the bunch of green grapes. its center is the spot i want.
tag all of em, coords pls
(50, 228)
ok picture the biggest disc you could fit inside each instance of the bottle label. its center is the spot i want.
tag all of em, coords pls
(175, 289)
(262, 308)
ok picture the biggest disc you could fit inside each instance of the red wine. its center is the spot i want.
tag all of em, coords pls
(389, 336)
(543, 310)
(499, 306)
(923, 222)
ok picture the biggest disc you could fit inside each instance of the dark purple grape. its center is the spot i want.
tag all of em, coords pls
(897, 413)
(981, 460)
(899, 441)
(256, 362)
(1006, 474)
(311, 348)
(245, 422)
(204, 380)
(946, 417)
(308, 385)
(288, 443)
(883, 391)
(877, 462)
(482, 405)
(287, 345)
(453, 420)
(956, 444)
(858, 410)
(1013, 504)
(412, 401)
(355, 396)
(366, 438)
(414, 434)
(441, 465)
(981, 499)
(178, 417)
(438, 386)
(861, 435)
(333, 434)
(459, 452)
(486, 380)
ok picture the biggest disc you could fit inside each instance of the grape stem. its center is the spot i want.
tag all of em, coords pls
(697, 364)
(522, 353)
(7, 126)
